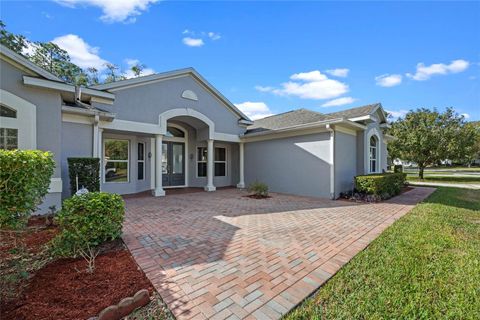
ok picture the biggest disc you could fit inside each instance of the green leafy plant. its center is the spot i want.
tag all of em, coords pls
(87, 221)
(259, 189)
(88, 172)
(24, 181)
(398, 168)
(385, 185)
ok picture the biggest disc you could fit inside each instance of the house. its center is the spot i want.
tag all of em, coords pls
(174, 129)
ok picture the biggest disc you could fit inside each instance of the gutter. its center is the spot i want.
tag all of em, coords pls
(89, 112)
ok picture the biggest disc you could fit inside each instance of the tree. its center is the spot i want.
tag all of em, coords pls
(137, 69)
(114, 73)
(426, 137)
(17, 43)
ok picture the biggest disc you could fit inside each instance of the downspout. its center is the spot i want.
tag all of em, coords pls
(330, 128)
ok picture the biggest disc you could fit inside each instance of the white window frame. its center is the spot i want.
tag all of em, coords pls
(4, 138)
(106, 161)
(198, 161)
(215, 161)
(141, 161)
(370, 159)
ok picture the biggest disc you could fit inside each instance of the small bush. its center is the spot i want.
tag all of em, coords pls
(385, 185)
(24, 181)
(398, 168)
(259, 189)
(88, 172)
(87, 221)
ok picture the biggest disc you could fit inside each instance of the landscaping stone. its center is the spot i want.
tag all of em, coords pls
(109, 313)
(141, 298)
(126, 306)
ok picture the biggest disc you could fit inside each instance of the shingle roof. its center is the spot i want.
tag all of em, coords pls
(287, 119)
(304, 116)
(355, 112)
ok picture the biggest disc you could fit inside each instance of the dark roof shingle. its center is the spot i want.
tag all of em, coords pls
(355, 112)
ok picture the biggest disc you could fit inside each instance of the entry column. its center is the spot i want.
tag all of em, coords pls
(210, 157)
(241, 183)
(158, 192)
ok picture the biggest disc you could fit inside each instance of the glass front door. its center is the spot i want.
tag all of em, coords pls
(173, 163)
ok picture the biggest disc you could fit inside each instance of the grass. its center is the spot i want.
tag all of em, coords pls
(447, 179)
(425, 266)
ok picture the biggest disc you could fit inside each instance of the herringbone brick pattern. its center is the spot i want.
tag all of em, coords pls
(220, 255)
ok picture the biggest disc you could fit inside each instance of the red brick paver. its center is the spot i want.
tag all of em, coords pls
(220, 255)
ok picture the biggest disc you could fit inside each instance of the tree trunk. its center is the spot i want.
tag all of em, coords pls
(420, 172)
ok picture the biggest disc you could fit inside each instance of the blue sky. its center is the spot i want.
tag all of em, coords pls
(271, 57)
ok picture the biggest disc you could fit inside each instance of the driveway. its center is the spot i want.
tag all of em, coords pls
(221, 255)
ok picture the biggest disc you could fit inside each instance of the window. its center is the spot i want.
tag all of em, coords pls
(373, 154)
(7, 112)
(175, 132)
(201, 162)
(220, 162)
(116, 160)
(8, 138)
(141, 161)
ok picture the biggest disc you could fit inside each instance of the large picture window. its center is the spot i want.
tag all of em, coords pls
(373, 154)
(8, 138)
(116, 160)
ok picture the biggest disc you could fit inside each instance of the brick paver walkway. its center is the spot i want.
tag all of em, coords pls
(221, 255)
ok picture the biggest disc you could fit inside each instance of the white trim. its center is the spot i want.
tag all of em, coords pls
(210, 166)
(281, 135)
(158, 190)
(25, 122)
(104, 162)
(61, 86)
(241, 182)
(77, 118)
(332, 161)
(189, 94)
(165, 116)
(346, 130)
(55, 185)
(95, 153)
(152, 163)
(101, 100)
(131, 126)
(218, 136)
(366, 144)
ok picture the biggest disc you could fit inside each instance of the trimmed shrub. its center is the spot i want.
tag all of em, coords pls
(259, 189)
(24, 181)
(88, 172)
(398, 168)
(87, 221)
(385, 185)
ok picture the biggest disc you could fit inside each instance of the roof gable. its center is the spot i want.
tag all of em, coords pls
(11, 56)
(124, 84)
(358, 113)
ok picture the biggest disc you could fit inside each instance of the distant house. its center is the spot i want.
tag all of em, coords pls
(175, 130)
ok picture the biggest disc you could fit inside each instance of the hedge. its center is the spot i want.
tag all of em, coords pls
(88, 172)
(24, 181)
(88, 220)
(385, 185)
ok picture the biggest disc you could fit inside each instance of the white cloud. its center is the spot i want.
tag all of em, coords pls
(214, 36)
(193, 42)
(310, 85)
(397, 114)
(339, 102)
(114, 10)
(339, 72)
(81, 53)
(466, 115)
(29, 49)
(254, 110)
(388, 80)
(424, 72)
(264, 89)
(132, 62)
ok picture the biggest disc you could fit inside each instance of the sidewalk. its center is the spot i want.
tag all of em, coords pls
(475, 186)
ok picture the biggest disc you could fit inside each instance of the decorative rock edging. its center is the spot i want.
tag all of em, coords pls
(124, 307)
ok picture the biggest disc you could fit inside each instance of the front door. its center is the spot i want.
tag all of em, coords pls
(173, 164)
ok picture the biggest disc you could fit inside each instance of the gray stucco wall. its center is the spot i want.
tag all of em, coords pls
(296, 165)
(48, 115)
(360, 153)
(345, 161)
(77, 141)
(144, 103)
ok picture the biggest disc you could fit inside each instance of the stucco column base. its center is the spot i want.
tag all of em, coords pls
(158, 192)
(209, 188)
(241, 185)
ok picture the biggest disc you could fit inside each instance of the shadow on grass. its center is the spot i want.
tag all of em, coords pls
(455, 197)
(451, 179)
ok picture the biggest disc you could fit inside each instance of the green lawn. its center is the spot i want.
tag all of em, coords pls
(447, 179)
(425, 266)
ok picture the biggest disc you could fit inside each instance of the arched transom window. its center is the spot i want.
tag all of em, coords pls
(373, 154)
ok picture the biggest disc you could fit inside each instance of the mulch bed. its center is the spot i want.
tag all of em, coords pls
(255, 196)
(62, 289)
(404, 189)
